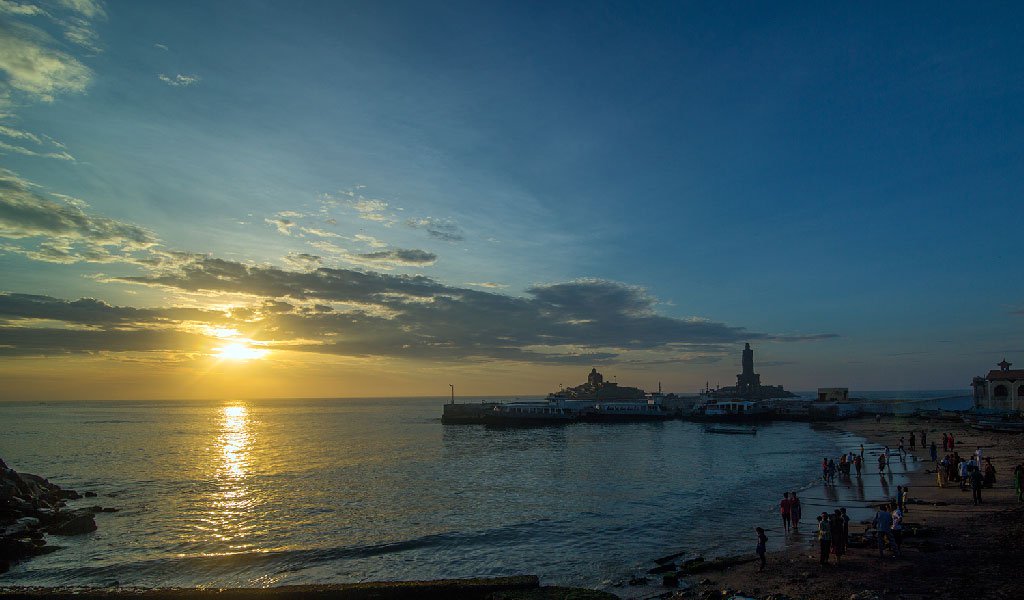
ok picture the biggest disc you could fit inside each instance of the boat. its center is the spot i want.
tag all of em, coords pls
(733, 430)
(649, 409)
(525, 414)
(732, 411)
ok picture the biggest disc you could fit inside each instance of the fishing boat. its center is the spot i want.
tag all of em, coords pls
(733, 430)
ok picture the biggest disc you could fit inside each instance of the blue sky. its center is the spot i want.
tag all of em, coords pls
(838, 185)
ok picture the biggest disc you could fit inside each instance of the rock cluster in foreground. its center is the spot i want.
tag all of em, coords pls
(30, 508)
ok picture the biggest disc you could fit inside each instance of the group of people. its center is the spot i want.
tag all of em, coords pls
(848, 461)
(968, 472)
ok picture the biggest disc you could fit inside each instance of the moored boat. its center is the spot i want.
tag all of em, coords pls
(525, 414)
(732, 411)
(649, 409)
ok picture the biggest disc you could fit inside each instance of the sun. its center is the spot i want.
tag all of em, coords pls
(239, 351)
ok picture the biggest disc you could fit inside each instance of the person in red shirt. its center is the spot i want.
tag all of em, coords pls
(785, 508)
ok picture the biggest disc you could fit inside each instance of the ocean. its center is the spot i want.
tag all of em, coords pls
(258, 493)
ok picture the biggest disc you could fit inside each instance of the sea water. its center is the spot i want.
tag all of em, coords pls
(275, 492)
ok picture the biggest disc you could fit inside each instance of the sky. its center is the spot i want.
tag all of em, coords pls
(352, 199)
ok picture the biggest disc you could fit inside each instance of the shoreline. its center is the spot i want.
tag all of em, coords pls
(964, 551)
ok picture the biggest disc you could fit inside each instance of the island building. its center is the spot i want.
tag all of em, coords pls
(1001, 390)
(596, 388)
(748, 384)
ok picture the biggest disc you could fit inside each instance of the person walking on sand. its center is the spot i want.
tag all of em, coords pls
(952, 443)
(858, 462)
(965, 471)
(881, 463)
(934, 452)
(795, 510)
(762, 546)
(945, 442)
(824, 469)
(824, 538)
(862, 451)
(883, 531)
(913, 440)
(831, 471)
(901, 447)
(785, 508)
(923, 442)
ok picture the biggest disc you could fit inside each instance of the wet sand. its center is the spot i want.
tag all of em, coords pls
(968, 551)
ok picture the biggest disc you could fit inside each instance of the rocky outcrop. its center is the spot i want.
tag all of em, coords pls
(30, 508)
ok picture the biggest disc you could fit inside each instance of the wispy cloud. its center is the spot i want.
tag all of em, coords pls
(65, 231)
(161, 46)
(381, 259)
(488, 285)
(284, 226)
(35, 66)
(179, 80)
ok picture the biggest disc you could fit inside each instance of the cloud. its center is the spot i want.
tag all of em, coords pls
(399, 256)
(34, 66)
(381, 259)
(370, 241)
(63, 155)
(161, 46)
(302, 260)
(68, 233)
(488, 285)
(284, 226)
(22, 10)
(418, 317)
(179, 80)
(319, 232)
(445, 230)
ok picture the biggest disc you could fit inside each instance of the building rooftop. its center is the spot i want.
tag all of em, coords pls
(1011, 374)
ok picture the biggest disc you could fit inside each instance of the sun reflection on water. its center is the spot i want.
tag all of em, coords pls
(228, 519)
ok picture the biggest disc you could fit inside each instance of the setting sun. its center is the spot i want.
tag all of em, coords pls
(239, 351)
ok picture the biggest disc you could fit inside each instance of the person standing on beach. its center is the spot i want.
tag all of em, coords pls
(941, 471)
(838, 542)
(897, 527)
(990, 473)
(883, 530)
(901, 447)
(913, 440)
(965, 471)
(831, 471)
(906, 499)
(881, 463)
(935, 453)
(1018, 481)
(824, 469)
(762, 546)
(824, 538)
(795, 510)
(923, 438)
(952, 443)
(976, 481)
(945, 442)
(977, 457)
(785, 508)
(858, 462)
(862, 451)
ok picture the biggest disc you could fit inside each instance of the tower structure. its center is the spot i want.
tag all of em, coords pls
(748, 383)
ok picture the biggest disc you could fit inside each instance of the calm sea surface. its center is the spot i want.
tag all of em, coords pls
(274, 492)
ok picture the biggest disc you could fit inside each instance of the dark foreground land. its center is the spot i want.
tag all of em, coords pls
(501, 588)
(963, 552)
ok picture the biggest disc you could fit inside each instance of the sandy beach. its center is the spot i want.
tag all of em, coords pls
(966, 551)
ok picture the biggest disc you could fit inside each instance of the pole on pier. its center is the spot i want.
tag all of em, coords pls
(452, 385)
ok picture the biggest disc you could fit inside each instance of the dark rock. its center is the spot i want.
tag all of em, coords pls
(89, 494)
(77, 525)
(666, 568)
(638, 581)
(68, 495)
(110, 509)
(670, 581)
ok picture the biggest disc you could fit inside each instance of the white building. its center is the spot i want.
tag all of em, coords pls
(1001, 389)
